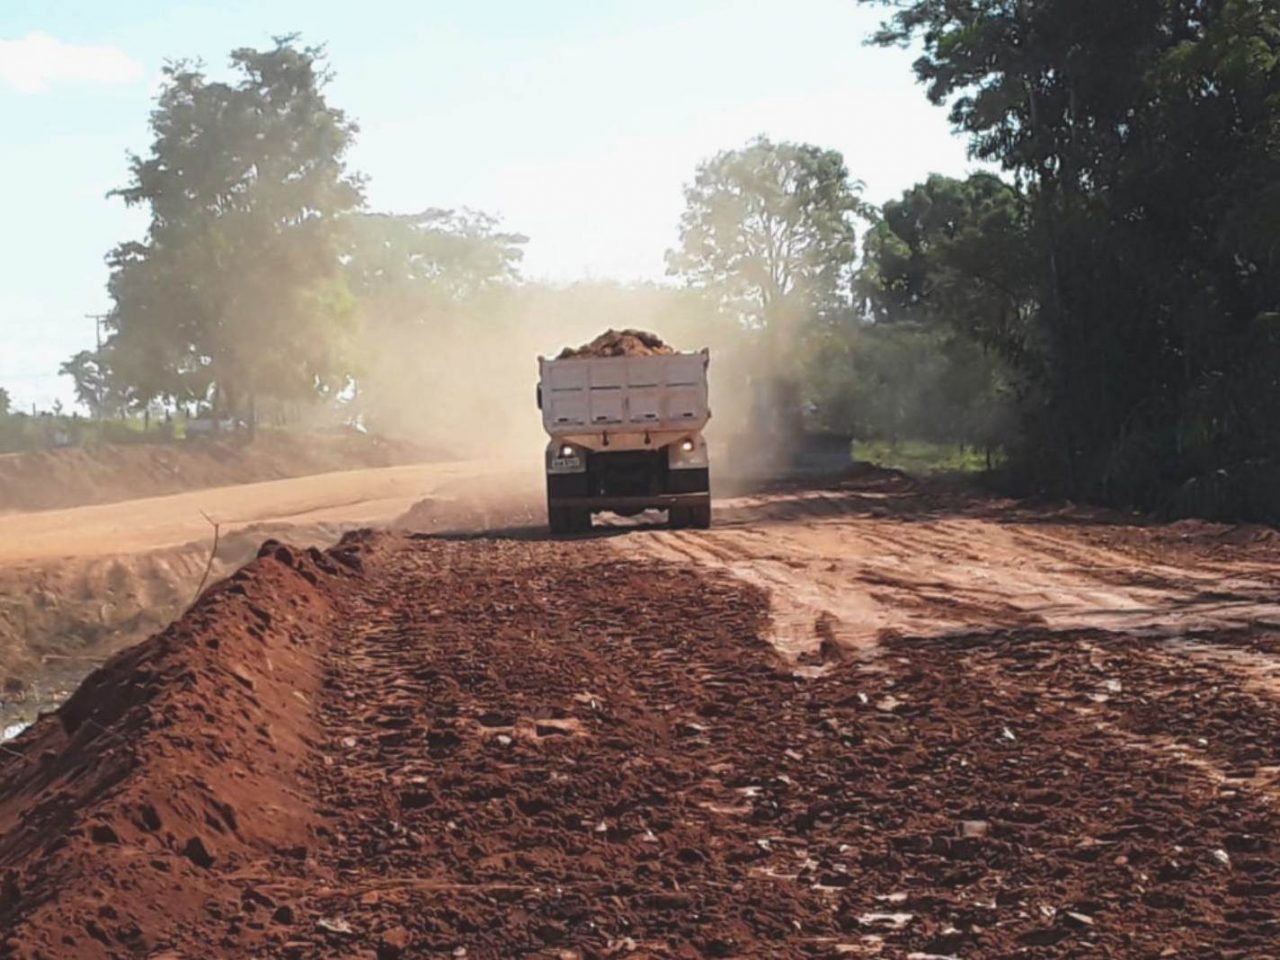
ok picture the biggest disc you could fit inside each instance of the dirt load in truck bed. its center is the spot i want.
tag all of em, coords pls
(619, 343)
(493, 748)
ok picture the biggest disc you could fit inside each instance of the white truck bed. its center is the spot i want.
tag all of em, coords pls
(584, 397)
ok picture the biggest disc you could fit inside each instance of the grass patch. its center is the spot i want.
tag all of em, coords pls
(921, 458)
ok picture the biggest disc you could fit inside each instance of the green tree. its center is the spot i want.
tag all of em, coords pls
(1143, 138)
(90, 378)
(940, 339)
(953, 254)
(237, 290)
(907, 381)
(435, 256)
(771, 230)
(6, 402)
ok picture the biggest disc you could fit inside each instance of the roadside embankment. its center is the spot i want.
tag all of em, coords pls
(56, 479)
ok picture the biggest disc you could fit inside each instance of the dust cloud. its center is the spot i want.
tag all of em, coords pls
(465, 385)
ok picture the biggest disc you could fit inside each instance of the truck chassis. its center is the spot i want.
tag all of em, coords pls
(628, 483)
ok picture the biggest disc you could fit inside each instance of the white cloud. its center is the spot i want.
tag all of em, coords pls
(38, 62)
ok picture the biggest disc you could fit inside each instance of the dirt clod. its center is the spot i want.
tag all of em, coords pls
(393, 943)
(102, 833)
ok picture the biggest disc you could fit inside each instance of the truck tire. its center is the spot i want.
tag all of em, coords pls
(559, 521)
(566, 520)
(682, 518)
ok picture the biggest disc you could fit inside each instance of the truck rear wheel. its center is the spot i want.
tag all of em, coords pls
(699, 518)
(680, 518)
(565, 520)
(558, 520)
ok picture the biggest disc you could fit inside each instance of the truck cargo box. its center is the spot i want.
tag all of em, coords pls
(626, 436)
(586, 396)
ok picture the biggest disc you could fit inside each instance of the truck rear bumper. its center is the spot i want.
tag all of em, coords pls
(659, 487)
(661, 501)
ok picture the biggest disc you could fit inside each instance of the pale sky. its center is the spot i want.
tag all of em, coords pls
(576, 121)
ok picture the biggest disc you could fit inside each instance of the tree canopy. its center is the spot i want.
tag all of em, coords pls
(438, 255)
(1141, 138)
(237, 289)
(954, 252)
(771, 230)
(92, 386)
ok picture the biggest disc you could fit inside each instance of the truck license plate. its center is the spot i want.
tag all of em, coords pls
(566, 463)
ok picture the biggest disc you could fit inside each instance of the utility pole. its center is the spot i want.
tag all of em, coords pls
(97, 319)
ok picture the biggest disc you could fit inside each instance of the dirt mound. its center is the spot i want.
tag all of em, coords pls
(465, 516)
(56, 479)
(503, 501)
(1231, 534)
(619, 343)
(124, 815)
(60, 619)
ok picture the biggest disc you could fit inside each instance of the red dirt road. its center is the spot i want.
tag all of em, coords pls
(492, 748)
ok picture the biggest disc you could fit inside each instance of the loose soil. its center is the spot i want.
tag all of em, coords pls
(619, 343)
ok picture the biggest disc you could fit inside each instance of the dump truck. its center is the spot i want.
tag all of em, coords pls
(626, 434)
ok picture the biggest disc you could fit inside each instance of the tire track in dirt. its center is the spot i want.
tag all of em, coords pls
(853, 571)
(539, 752)
(528, 753)
(1231, 661)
